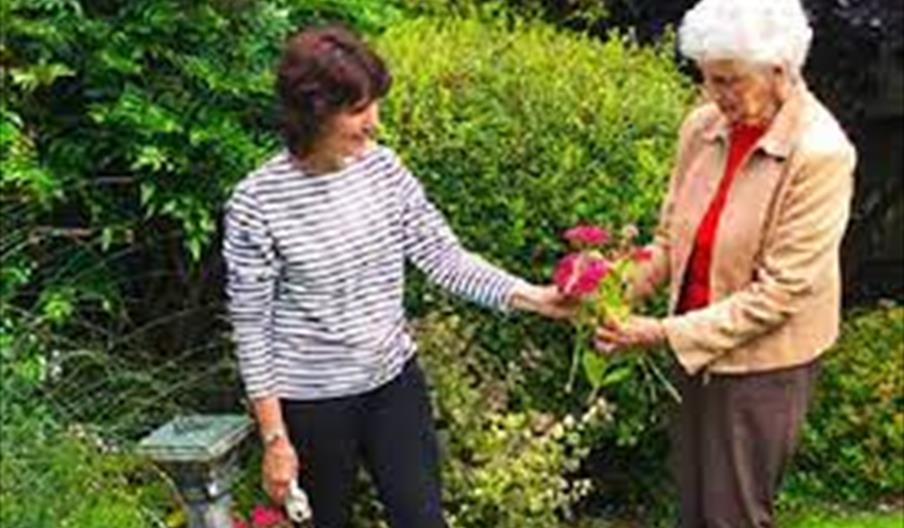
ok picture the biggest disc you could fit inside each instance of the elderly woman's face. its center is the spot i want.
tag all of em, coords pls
(744, 93)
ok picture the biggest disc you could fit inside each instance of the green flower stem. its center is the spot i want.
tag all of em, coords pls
(669, 387)
(575, 357)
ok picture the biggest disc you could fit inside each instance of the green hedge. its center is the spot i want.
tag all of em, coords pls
(521, 132)
(853, 443)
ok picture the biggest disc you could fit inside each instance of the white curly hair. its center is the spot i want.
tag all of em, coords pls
(773, 32)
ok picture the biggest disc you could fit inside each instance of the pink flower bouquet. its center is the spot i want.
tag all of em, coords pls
(597, 274)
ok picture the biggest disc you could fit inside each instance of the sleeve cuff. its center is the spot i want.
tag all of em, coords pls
(689, 354)
(258, 392)
(507, 289)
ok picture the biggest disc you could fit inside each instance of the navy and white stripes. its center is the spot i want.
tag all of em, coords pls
(316, 274)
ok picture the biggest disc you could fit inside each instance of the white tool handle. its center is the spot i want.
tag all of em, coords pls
(298, 508)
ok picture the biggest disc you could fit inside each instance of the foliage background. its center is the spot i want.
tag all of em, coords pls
(124, 126)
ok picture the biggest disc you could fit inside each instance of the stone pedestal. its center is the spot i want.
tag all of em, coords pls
(201, 454)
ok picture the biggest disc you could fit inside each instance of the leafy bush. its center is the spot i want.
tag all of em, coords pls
(54, 470)
(54, 477)
(569, 128)
(126, 125)
(502, 467)
(853, 443)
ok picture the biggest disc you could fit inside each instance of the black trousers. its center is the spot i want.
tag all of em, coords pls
(391, 429)
(732, 442)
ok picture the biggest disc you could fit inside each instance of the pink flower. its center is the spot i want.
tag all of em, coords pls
(238, 522)
(642, 254)
(588, 235)
(266, 516)
(578, 275)
(564, 270)
(594, 271)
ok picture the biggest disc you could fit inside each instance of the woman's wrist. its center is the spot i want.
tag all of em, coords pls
(270, 425)
(273, 436)
(522, 297)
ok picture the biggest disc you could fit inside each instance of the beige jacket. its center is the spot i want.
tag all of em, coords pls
(775, 278)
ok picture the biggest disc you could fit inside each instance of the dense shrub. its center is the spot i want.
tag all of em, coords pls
(55, 478)
(55, 470)
(853, 443)
(502, 467)
(127, 124)
(520, 133)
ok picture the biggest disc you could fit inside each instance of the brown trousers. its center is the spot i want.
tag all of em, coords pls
(732, 441)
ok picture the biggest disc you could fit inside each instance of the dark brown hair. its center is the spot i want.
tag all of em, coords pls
(324, 70)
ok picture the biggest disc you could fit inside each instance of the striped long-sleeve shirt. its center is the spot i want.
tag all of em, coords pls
(316, 274)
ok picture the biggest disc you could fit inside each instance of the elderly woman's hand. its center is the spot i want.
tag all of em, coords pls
(636, 331)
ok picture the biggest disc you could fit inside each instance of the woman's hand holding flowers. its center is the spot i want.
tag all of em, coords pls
(635, 331)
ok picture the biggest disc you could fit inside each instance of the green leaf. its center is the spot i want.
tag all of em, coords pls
(148, 190)
(118, 60)
(33, 77)
(194, 248)
(31, 370)
(594, 367)
(58, 305)
(106, 238)
(616, 376)
(151, 157)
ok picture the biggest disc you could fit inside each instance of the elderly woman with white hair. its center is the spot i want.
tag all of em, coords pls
(748, 241)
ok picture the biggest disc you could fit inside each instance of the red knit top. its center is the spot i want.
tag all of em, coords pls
(695, 292)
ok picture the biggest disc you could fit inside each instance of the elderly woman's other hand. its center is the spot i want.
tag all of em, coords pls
(635, 331)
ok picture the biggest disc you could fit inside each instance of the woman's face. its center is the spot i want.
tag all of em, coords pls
(348, 132)
(745, 93)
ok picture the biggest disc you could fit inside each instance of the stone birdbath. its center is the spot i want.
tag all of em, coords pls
(201, 454)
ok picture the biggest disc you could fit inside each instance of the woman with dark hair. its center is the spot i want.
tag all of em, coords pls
(315, 246)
